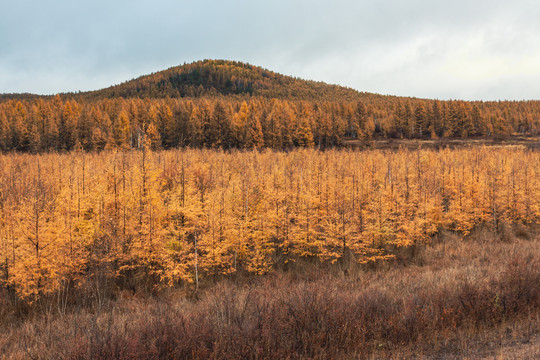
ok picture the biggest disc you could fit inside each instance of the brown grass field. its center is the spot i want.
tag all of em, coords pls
(461, 298)
(528, 142)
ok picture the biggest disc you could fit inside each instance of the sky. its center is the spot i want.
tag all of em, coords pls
(459, 49)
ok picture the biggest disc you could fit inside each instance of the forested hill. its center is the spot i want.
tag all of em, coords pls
(225, 104)
(211, 78)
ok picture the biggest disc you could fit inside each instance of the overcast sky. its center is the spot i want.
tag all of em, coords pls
(460, 49)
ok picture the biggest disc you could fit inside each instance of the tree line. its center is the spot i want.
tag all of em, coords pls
(56, 123)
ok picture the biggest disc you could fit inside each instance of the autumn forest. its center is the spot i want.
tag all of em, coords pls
(248, 108)
(165, 218)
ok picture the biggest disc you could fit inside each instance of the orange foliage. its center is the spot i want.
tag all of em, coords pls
(169, 217)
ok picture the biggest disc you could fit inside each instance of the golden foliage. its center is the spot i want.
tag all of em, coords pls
(171, 217)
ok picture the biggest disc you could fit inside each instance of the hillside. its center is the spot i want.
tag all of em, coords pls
(213, 78)
(226, 104)
(210, 78)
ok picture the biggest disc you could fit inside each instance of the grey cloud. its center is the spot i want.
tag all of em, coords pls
(412, 48)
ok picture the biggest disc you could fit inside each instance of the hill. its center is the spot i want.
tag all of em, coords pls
(213, 78)
(210, 78)
(227, 104)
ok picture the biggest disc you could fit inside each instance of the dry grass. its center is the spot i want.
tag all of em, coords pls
(529, 142)
(477, 297)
